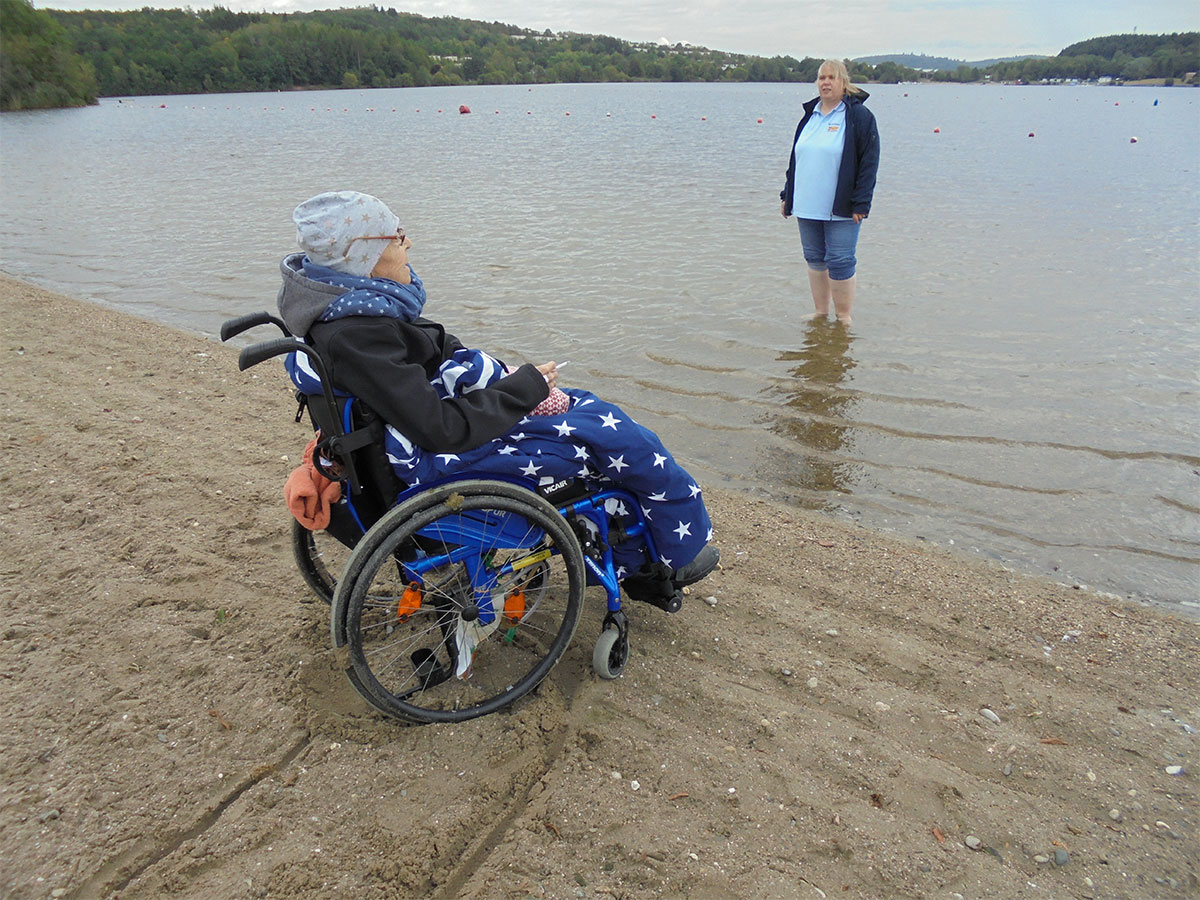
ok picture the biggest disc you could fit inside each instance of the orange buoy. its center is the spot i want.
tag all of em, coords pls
(937, 131)
(760, 121)
(463, 109)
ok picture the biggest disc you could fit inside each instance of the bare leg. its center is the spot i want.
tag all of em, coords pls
(820, 284)
(843, 298)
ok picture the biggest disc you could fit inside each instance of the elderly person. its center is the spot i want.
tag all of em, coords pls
(352, 293)
(830, 180)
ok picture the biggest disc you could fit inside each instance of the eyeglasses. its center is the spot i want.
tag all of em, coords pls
(398, 236)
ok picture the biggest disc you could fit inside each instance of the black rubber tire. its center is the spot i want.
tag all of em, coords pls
(320, 559)
(408, 667)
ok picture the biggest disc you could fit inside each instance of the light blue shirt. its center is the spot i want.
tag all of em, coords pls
(818, 159)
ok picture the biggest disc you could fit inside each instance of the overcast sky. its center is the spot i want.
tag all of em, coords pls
(961, 29)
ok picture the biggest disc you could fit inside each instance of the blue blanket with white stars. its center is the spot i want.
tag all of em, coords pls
(592, 440)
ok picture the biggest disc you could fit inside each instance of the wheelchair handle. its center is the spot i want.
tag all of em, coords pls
(256, 353)
(236, 326)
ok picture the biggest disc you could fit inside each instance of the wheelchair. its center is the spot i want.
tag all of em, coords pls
(452, 600)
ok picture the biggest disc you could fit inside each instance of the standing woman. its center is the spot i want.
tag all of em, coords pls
(830, 180)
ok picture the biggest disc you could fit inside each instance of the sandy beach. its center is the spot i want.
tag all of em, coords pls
(834, 713)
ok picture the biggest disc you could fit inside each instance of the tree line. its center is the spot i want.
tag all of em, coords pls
(58, 58)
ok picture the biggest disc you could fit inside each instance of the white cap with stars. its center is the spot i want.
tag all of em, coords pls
(327, 225)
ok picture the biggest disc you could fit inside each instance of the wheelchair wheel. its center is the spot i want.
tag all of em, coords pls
(610, 653)
(320, 558)
(459, 601)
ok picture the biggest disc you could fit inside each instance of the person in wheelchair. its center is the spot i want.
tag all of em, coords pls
(352, 293)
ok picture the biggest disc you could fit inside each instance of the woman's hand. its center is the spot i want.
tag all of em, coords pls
(550, 373)
(858, 217)
(783, 208)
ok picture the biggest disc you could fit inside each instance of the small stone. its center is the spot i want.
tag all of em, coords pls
(973, 842)
(881, 706)
(1091, 776)
(615, 776)
(787, 673)
(812, 682)
(635, 785)
(49, 816)
(1060, 857)
(1115, 815)
(990, 716)
(1174, 770)
(832, 632)
(1041, 859)
(1007, 769)
(58, 892)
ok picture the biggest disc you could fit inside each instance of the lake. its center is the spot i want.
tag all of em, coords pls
(1020, 381)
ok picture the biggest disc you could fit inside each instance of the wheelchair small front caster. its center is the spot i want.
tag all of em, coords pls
(611, 653)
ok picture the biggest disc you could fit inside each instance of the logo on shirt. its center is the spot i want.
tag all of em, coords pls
(833, 128)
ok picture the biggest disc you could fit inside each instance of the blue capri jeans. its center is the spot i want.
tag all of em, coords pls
(830, 245)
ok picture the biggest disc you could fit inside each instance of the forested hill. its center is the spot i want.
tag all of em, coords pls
(924, 63)
(58, 58)
(39, 66)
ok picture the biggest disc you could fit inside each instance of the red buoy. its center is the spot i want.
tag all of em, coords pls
(760, 121)
(463, 109)
(937, 131)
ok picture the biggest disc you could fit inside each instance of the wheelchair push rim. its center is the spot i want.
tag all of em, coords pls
(459, 601)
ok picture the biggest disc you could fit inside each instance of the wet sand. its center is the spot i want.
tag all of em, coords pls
(810, 726)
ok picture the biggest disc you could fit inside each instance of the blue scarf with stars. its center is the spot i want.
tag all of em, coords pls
(369, 296)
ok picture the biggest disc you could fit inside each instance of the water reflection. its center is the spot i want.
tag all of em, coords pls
(817, 412)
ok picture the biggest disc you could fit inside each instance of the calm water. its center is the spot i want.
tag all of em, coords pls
(1021, 377)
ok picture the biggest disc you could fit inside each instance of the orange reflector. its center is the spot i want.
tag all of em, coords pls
(410, 601)
(514, 605)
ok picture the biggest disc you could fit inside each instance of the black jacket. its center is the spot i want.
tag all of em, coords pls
(860, 159)
(388, 364)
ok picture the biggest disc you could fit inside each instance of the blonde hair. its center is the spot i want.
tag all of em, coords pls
(841, 73)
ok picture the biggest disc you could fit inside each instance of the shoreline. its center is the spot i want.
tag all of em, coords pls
(811, 724)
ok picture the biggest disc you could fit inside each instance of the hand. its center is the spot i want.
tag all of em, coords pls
(783, 208)
(858, 217)
(550, 373)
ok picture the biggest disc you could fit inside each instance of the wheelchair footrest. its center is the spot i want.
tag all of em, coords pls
(655, 588)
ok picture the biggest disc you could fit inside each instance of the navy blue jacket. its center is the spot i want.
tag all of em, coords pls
(860, 159)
